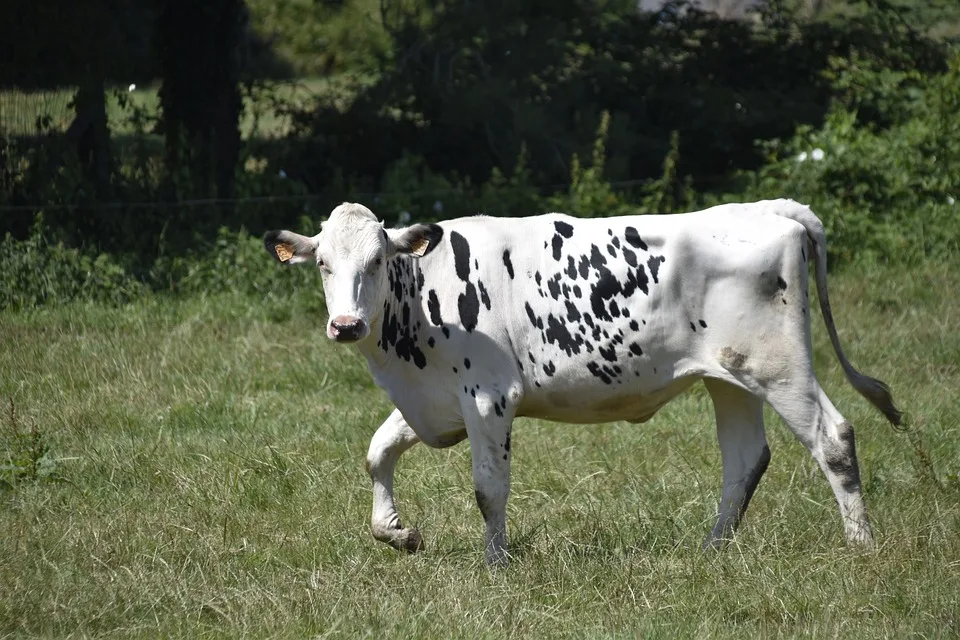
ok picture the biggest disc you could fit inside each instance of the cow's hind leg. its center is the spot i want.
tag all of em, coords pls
(829, 437)
(390, 441)
(744, 451)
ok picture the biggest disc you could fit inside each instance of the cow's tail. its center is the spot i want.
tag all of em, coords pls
(877, 392)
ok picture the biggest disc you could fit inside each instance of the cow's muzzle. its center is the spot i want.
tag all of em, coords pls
(347, 329)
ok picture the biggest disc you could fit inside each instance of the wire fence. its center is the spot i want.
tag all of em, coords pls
(373, 196)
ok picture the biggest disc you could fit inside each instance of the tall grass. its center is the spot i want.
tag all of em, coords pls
(205, 475)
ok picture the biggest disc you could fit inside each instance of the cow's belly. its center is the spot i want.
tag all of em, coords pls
(592, 403)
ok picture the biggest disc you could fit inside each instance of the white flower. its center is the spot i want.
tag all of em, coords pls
(802, 157)
(404, 217)
(438, 206)
(951, 201)
(817, 154)
(737, 106)
(132, 87)
(282, 173)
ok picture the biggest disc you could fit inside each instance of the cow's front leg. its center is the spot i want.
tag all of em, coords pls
(488, 423)
(387, 445)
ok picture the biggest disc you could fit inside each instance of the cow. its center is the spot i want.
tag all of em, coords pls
(471, 323)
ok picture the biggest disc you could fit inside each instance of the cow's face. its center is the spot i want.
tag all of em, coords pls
(351, 253)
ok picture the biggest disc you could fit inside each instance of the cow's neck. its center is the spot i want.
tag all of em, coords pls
(398, 337)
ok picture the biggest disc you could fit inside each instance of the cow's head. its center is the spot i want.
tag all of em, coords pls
(352, 251)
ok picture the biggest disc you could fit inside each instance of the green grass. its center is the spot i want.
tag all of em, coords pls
(208, 478)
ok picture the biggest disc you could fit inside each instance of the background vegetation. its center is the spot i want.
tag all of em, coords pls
(181, 450)
(119, 142)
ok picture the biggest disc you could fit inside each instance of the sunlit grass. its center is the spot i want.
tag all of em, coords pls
(20, 111)
(207, 477)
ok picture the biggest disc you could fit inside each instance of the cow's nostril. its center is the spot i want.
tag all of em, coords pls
(346, 328)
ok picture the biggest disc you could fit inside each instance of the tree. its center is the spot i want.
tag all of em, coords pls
(200, 47)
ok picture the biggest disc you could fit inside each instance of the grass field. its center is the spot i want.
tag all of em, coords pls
(205, 476)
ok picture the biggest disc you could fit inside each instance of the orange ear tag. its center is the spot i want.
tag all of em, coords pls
(284, 252)
(419, 248)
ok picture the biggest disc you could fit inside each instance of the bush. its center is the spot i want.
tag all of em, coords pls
(236, 263)
(885, 191)
(38, 272)
(24, 453)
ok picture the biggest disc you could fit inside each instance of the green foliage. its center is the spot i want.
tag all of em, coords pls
(411, 191)
(236, 263)
(38, 272)
(319, 37)
(886, 184)
(513, 194)
(24, 454)
(468, 88)
(671, 192)
(590, 194)
(504, 109)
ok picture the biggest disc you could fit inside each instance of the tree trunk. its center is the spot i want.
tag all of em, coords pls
(93, 144)
(200, 64)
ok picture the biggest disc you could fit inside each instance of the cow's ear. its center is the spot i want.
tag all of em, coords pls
(418, 240)
(289, 247)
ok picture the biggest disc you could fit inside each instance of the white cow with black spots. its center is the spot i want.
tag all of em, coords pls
(473, 322)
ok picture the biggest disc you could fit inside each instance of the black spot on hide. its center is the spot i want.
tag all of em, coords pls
(654, 264)
(563, 228)
(633, 237)
(557, 246)
(433, 306)
(461, 255)
(484, 298)
(469, 306)
(507, 263)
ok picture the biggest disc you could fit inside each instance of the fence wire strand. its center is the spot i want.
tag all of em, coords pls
(306, 197)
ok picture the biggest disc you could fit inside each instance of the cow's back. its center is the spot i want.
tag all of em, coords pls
(605, 319)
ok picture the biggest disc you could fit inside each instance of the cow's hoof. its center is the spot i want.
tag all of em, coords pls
(410, 540)
(497, 558)
(860, 537)
(715, 545)
(407, 539)
(864, 545)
